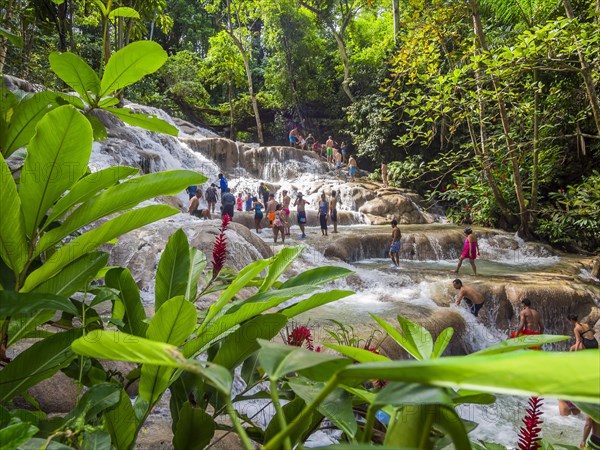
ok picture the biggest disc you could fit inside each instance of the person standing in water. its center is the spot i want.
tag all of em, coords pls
(470, 250)
(395, 245)
(591, 429)
(258, 214)
(300, 205)
(470, 295)
(279, 224)
(323, 213)
(333, 210)
(584, 335)
(285, 207)
(530, 322)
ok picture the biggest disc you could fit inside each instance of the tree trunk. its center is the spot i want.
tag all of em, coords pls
(586, 71)
(536, 151)
(346, 63)
(396, 15)
(232, 132)
(3, 41)
(524, 229)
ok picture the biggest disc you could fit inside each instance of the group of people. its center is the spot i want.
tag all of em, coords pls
(228, 200)
(334, 153)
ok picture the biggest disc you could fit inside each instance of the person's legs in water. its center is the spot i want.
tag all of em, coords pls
(460, 261)
(275, 233)
(472, 261)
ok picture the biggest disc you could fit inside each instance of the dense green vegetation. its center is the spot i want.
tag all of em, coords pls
(497, 98)
(67, 311)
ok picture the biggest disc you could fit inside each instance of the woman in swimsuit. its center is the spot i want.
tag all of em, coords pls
(584, 335)
(470, 250)
(258, 215)
(278, 224)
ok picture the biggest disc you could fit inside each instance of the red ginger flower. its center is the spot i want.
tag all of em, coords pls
(299, 336)
(529, 435)
(220, 248)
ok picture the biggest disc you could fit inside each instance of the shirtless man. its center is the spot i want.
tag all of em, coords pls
(352, 167)
(271, 208)
(530, 321)
(470, 295)
(285, 207)
(329, 145)
(395, 245)
(193, 206)
(333, 210)
(300, 205)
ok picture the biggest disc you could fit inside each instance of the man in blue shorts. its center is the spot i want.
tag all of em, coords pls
(395, 246)
(300, 205)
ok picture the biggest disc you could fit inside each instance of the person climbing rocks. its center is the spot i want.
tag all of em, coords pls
(323, 214)
(384, 174)
(333, 210)
(584, 335)
(193, 207)
(228, 202)
(263, 192)
(473, 298)
(530, 322)
(223, 183)
(300, 205)
(352, 167)
(470, 250)
(395, 245)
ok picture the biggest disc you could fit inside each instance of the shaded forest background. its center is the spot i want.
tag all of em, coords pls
(488, 108)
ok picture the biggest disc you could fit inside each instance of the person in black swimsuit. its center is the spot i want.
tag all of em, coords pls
(584, 335)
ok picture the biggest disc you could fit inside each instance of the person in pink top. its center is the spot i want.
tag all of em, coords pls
(240, 202)
(470, 250)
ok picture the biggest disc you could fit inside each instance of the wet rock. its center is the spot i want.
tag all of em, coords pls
(596, 268)
(223, 152)
(393, 207)
(57, 394)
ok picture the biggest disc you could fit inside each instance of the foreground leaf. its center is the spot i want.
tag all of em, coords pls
(13, 243)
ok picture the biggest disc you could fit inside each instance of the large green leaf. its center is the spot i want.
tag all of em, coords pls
(278, 360)
(172, 324)
(57, 157)
(25, 116)
(251, 307)
(130, 64)
(419, 337)
(357, 354)
(13, 243)
(519, 373)
(521, 342)
(194, 429)
(29, 368)
(337, 406)
(124, 11)
(145, 121)
(96, 399)
(315, 300)
(20, 326)
(442, 342)
(130, 310)
(76, 73)
(281, 262)
(96, 237)
(121, 423)
(405, 343)
(16, 433)
(125, 347)
(75, 276)
(197, 265)
(400, 394)
(14, 39)
(15, 304)
(117, 198)
(290, 411)
(246, 275)
(243, 342)
(88, 186)
(173, 269)
(317, 276)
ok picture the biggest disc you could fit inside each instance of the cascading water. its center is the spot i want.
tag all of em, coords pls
(421, 290)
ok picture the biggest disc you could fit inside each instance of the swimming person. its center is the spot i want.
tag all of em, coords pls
(470, 295)
(470, 250)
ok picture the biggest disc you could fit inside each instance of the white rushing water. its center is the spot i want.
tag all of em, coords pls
(419, 288)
